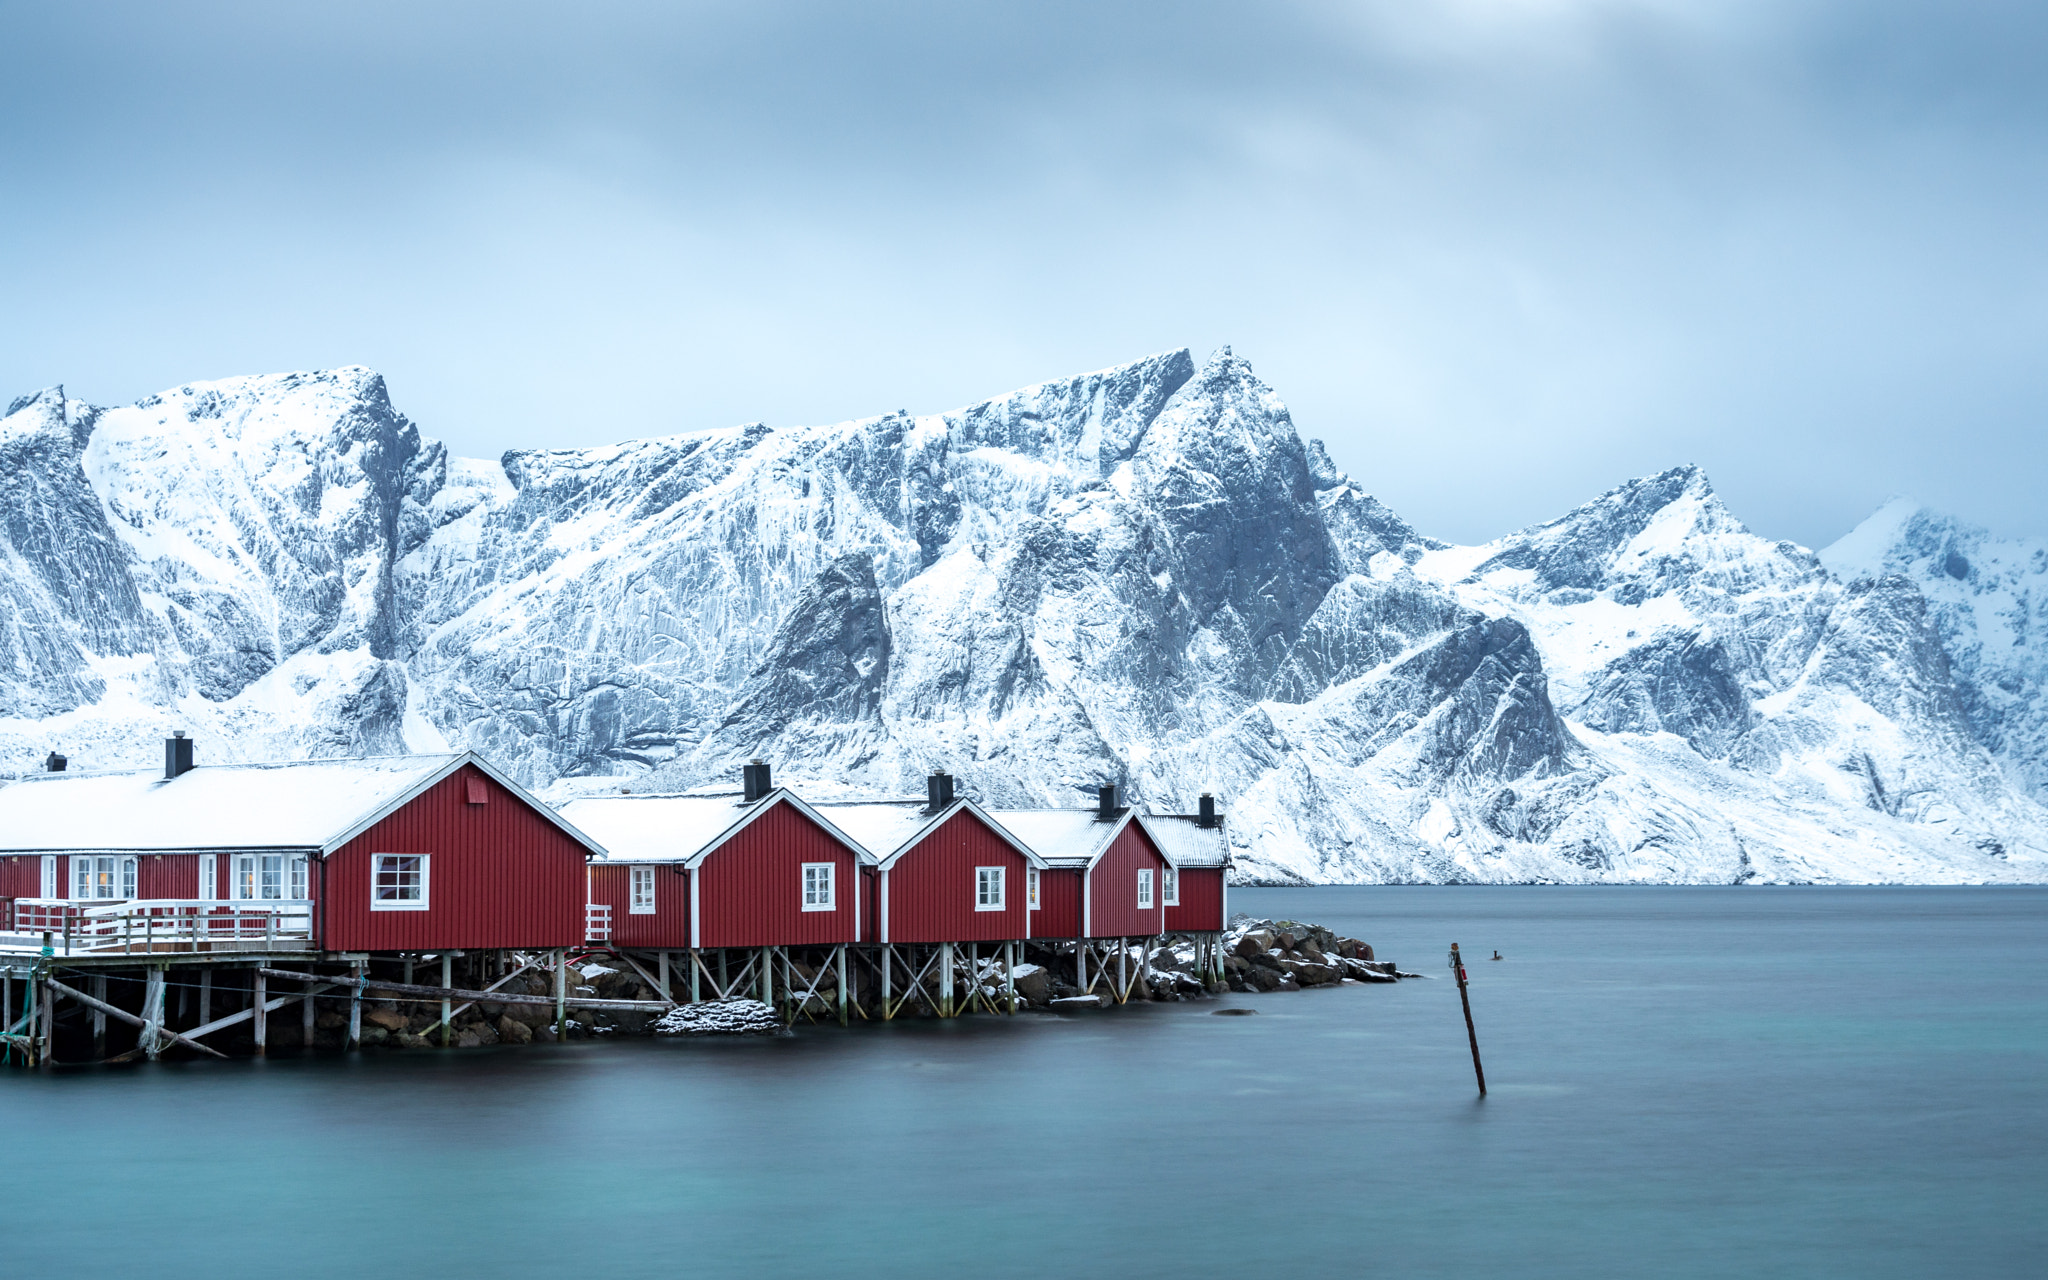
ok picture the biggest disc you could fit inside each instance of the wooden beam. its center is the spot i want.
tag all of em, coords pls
(102, 1006)
(429, 995)
(660, 988)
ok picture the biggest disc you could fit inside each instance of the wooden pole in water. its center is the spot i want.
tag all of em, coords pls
(1458, 967)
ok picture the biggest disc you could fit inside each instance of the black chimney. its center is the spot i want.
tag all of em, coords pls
(1105, 803)
(754, 780)
(938, 792)
(55, 764)
(1208, 811)
(177, 755)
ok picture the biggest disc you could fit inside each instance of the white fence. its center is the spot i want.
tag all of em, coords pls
(147, 925)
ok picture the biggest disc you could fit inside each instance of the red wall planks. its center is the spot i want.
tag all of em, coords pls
(1113, 910)
(751, 887)
(932, 888)
(500, 875)
(667, 926)
(1201, 902)
(1059, 911)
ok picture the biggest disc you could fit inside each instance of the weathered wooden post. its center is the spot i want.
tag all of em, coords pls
(205, 997)
(96, 987)
(1458, 967)
(447, 981)
(945, 979)
(696, 968)
(152, 1011)
(888, 1008)
(561, 994)
(357, 976)
(1010, 974)
(663, 974)
(261, 989)
(842, 985)
(306, 1020)
(1081, 966)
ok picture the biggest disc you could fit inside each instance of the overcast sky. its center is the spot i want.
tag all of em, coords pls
(1500, 254)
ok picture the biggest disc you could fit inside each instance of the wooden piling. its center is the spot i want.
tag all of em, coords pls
(1472, 1034)
(561, 994)
(841, 959)
(306, 1016)
(260, 994)
(355, 1004)
(96, 987)
(447, 980)
(152, 1012)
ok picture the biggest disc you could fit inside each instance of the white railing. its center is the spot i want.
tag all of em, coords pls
(145, 925)
(597, 922)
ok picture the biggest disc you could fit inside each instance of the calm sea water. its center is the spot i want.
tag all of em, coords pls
(1685, 1082)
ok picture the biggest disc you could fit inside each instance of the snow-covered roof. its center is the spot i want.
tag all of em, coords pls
(1063, 837)
(679, 828)
(301, 804)
(887, 827)
(1186, 844)
(655, 828)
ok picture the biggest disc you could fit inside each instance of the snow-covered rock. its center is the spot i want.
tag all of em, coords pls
(1141, 575)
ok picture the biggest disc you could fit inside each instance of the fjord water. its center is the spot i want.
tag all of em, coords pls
(1685, 1082)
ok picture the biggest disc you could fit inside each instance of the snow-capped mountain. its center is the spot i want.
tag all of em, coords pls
(1141, 575)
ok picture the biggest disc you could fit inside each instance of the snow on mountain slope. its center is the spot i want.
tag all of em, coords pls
(1141, 575)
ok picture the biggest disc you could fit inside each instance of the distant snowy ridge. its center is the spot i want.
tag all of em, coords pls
(1141, 575)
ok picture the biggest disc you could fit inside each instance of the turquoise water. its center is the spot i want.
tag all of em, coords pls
(1685, 1082)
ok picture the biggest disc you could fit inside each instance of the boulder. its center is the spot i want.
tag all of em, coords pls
(719, 1018)
(511, 1032)
(1035, 986)
(389, 1019)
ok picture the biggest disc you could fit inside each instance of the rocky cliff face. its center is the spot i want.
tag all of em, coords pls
(1141, 575)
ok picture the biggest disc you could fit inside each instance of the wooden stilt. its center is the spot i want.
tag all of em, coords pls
(1471, 1033)
(561, 995)
(306, 1015)
(1010, 975)
(259, 995)
(843, 984)
(696, 964)
(663, 957)
(1123, 964)
(888, 1005)
(767, 958)
(205, 997)
(355, 1005)
(447, 980)
(47, 1056)
(1081, 966)
(96, 987)
(152, 1011)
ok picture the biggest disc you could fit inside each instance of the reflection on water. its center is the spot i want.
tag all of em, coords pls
(1793, 1082)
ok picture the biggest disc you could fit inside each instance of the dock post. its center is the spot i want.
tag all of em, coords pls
(842, 984)
(561, 993)
(408, 968)
(355, 1004)
(259, 990)
(306, 1020)
(945, 979)
(1010, 975)
(152, 1011)
(96, 987)
(768, 976)
(696, 966)
(1081, 966)
(663, 974)
(48, 1055)
(724, 982)
(1458, 967)
(1123, 964)
(888, 1006)
(447, 981)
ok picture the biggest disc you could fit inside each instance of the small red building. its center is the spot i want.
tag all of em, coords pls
(396, 853)
(944, 871)
(1107, 875)
(756, 869)
(1197, 897)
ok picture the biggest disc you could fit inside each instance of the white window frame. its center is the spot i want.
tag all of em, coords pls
(640, 885)
(131, 877)
(818, 886)
(49, 885)
(1031, 887)
(1169, 886)
(988, 888)
(298, 878)
(401, 904)
(1144, 888)
(208, 886)
(102, 878)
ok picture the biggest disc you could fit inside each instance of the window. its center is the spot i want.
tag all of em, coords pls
(1145, 889)
(643, 891)
(208, 888)
(271, 878)
(1169, 887)
(1031, 888)
(260, 877)
(243, 885)
(102, 877)
(49, 885)
(988, 888)
(398, 882)
(817, 886)
(298, 885)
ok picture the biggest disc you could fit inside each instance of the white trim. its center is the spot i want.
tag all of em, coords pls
(931, 824)
(695, 900)
(420, 788)
(1031, 888)
(635, 905)
(814, 900)
(883, 891)
(781, 795)
(1144, 888)
(983, 878)
(402, 904)
(208, 885)
(1169, 886)
(49, 884)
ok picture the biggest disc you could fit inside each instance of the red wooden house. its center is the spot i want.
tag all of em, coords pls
(944, 871)
(759, 869)
(1107, 873)
(1197, 897)
(396, 854)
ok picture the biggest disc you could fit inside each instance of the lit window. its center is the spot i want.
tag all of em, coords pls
(103, 877)
(988, 888)
(643, 891)
(817, 886)
(398, 882)
(1169, 887)
(1145, 889)
(1031, 887)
